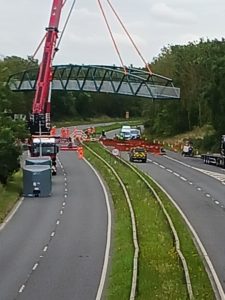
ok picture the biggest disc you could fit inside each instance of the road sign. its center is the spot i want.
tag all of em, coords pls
(115, 152)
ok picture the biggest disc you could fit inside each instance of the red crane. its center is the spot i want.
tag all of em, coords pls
(40, 117)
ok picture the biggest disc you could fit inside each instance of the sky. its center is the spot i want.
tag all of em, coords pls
(152, 24)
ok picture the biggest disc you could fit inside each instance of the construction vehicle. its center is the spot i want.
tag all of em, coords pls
(39, 122)
(217, 159)
(45, 146)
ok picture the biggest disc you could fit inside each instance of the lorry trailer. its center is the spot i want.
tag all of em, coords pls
(217, 159)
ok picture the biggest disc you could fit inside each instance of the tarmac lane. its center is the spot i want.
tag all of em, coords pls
(54, 248)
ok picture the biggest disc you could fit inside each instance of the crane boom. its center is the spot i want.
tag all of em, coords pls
(40, 117)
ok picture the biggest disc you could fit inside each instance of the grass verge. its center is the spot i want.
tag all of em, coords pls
(160, 272)
(10, 194)
(122, 259)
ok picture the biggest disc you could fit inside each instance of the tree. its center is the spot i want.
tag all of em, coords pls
(9, 154)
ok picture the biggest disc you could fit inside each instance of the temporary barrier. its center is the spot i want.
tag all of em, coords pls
(154, 148)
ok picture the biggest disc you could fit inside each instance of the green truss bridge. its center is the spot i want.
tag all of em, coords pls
(101, 79)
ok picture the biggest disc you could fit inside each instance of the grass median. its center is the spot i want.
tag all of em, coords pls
(160, 273)
(10, 194)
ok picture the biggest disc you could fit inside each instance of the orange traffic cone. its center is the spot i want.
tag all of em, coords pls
(80, 152)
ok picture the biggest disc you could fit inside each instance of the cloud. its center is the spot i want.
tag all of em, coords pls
(168, 14)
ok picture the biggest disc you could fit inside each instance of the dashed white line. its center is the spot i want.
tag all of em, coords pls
(208, 195)
(53, 233)
(184, 179)
(65, 196)
(66, 190)
(64, 203)
(57, 223)
(161, 166)
(45, 249)
(35, 267)
(61, 212)
(174, 173)
(217, 202)
(169, 170)
(199, 189)
(22, 288)
(190, 182)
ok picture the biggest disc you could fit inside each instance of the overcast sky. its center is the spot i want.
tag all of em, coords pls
(152, 24)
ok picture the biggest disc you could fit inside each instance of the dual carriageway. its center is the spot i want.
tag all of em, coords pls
(55, 248)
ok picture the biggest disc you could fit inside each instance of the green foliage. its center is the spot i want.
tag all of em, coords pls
(198, 69)
(9, 154)
(11, 133)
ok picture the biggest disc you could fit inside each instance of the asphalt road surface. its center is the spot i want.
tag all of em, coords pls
(53, 248)
(199, 190)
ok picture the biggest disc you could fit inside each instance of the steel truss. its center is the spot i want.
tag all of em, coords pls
(101, 79)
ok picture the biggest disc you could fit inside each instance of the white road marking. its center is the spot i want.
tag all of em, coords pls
(184, 179)
(65, 196)
(208, 195)
(216, 175)
(45, 249)
(35, 267)
(61, 212)
(190, 182)
(108, 240)
(217, 202)
(199, 189)
(53, 233)
(174, 173)
(64, 203)
(22, 288)
(57, 223)
(161, 166)
(169, 170)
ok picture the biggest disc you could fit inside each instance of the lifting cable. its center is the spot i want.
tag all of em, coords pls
(112, 37)
(129, 36)
(66, 23)
(63, 30)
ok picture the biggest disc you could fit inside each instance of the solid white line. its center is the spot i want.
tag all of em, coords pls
(12, 213)
(212, 273)
(107, 249)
